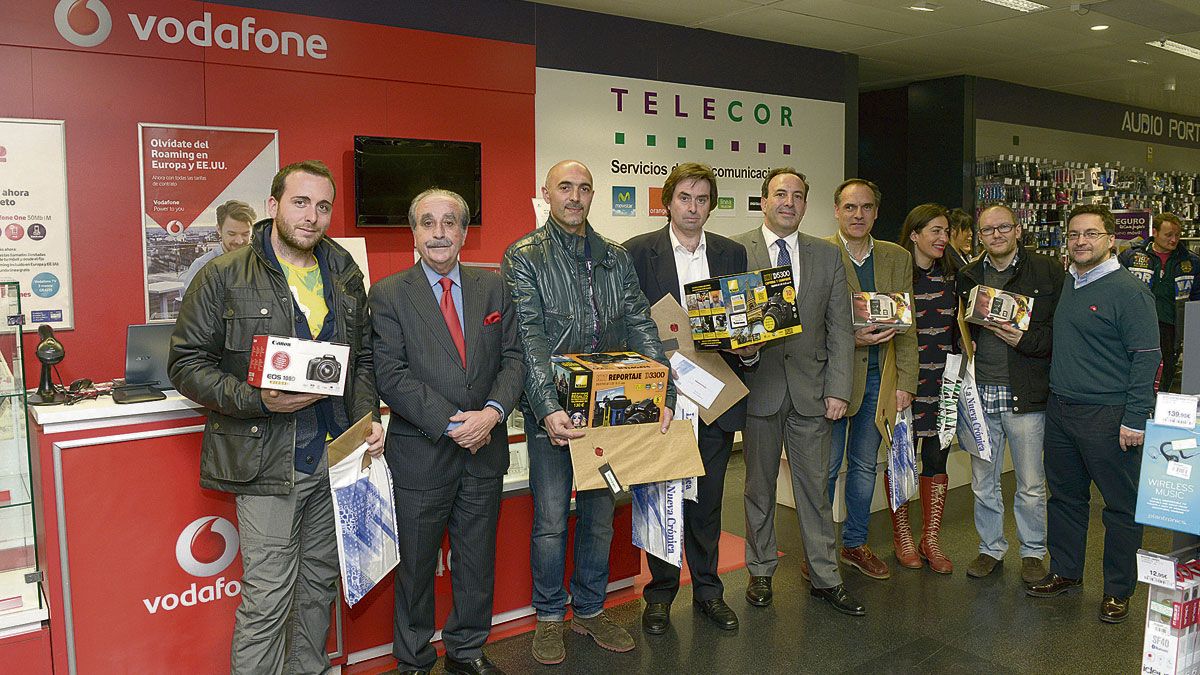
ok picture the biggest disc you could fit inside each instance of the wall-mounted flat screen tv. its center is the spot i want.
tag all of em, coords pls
(389, 172)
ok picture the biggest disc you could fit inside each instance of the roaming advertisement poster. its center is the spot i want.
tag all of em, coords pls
(186, 173)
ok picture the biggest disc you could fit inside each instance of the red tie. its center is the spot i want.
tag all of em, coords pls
(451, 317)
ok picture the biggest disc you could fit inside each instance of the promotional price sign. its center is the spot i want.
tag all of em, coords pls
(186, 173)
(35, 247)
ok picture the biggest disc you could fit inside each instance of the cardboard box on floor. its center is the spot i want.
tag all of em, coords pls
(676, 335)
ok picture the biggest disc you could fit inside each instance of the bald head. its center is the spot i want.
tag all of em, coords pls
(568, 190)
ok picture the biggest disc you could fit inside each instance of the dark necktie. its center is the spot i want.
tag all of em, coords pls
(785, 258)
(451, 316)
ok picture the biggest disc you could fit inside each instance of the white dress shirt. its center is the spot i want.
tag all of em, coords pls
(689, 265)
(793, 247)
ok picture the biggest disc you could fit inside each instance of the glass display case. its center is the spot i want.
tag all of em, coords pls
(21, 600)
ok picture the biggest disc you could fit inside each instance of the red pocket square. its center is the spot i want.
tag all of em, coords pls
(492, 318)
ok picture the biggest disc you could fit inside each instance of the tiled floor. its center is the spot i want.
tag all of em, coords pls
(917, 622)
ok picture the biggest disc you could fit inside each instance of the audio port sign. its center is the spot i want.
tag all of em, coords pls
(205, 548)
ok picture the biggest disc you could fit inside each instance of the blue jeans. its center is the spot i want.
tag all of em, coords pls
(550, 479)
(1023, 433)
(862, 451)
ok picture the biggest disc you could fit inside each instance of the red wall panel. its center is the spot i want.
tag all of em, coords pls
(103, 95)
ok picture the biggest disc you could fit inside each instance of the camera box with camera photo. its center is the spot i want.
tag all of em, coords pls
(610, 389)
(988, 305)
(742, 309)
(299, 366)
(882, 310)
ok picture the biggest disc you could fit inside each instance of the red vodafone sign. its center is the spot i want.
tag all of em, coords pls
(153, 560)
(88, 23)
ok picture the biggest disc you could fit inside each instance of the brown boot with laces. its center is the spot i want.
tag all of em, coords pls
(933, 499)
(902, 535)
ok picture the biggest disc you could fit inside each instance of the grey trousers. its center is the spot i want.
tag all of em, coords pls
(808, 450)
(289, 581)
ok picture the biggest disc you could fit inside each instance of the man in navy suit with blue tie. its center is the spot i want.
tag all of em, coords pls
(448, 364)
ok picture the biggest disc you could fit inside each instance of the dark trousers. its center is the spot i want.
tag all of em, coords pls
(701, 526)
(469, 507)
(1081, 447)
(1170, 355)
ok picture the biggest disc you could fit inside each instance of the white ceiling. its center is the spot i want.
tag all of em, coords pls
(1052, 49)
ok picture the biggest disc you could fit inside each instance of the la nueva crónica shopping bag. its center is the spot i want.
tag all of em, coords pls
(895, 426)
(658, 507)
(364, 512)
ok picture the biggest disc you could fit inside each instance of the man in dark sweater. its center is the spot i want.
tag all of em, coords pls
(1101, 392)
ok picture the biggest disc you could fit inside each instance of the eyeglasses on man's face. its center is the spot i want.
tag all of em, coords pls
(1090, 235)
(1002, 229)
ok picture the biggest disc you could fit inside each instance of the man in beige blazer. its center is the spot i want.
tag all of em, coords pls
(870, 265)
(798, 386)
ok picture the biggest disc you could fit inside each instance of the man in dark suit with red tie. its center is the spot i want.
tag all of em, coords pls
(448, 364)
(666, 259)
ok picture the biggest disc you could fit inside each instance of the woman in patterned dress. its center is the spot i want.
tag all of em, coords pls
(926, 235)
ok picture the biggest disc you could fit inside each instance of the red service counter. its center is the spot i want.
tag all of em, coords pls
(142, 572)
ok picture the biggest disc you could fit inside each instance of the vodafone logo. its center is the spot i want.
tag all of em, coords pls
(87, 23)
(83, 23)
(206, 546)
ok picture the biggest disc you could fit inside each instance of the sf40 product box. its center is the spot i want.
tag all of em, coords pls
(299, 366)
(987, 305)
(1171, 645)
(742, 309)
(1168, 494)
(886, 310)
(610, 389)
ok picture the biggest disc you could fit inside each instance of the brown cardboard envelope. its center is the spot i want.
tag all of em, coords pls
(675, 332)
(341, 447)
(637, 453)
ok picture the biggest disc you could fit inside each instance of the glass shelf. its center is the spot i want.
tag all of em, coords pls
(21, 600)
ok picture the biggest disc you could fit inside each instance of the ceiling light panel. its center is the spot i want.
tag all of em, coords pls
(1019, 5)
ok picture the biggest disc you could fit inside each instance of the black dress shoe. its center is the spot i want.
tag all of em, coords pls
(758, 593)
(1114, 609)
(840, 599)
(656, 618)
(718, 612)
(479, 666)
(1052, 585)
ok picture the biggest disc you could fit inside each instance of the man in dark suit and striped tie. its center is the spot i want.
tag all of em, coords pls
(448, 364)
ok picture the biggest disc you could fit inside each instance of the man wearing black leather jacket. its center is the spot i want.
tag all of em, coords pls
(268, 446)
(575, 292)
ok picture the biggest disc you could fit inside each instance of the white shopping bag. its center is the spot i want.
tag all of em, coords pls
(970, 411)
(365, 516)
(658, 519)
(947, 414)
(687, 409)
(902, 460)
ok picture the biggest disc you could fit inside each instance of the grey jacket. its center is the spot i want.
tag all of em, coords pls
(819, 362)
(561, 309)
(247, 449)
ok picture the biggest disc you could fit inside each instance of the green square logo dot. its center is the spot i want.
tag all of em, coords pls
(708, 144)
(620, 139)
(651, 140)
(682, 142)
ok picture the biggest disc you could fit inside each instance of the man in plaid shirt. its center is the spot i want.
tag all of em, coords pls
(1013, 371)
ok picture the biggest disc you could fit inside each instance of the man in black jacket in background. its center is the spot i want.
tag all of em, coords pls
(666, 259)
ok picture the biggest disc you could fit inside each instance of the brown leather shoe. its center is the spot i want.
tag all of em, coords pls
(1113, 609)
(983, 565)
(861, 558)
(1052, 585)
(804, 571)
(1032, 570)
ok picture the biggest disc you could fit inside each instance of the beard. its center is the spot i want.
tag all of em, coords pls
(287, 234)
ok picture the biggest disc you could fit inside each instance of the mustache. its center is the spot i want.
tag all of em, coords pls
(440, 242)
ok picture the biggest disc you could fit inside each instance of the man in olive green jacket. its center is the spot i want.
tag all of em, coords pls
(871, 265)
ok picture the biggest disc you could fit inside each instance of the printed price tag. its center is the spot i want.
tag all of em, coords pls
(1155, 569)
(1179, 470)
(1176, 410)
